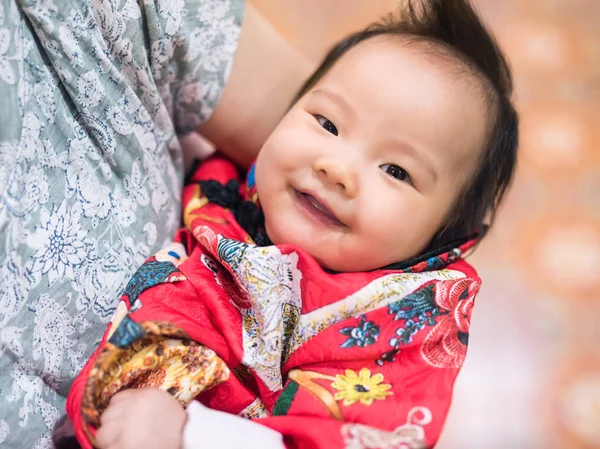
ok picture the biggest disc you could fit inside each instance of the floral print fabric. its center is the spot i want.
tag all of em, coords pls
(93, 95)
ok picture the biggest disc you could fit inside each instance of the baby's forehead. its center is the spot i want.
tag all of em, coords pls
(414, 49)
(381, 67)
(403, 91)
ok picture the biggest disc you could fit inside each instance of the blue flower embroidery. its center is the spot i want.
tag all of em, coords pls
(364, 334)
(417, 310)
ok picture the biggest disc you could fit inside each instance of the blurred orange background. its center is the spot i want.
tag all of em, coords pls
(532, 376)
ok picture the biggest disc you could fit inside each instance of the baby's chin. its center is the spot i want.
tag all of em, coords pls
(341, 266)
(345, 265)
(334, 255)
(334, 260)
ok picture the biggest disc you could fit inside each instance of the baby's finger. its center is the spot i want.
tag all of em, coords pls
(122, 395)
(114, 412)
(107, 436)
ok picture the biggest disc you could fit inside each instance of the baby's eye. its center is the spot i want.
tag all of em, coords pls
(395, 172)
(327, 124)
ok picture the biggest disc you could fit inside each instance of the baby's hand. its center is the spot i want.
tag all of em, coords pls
(146, 418)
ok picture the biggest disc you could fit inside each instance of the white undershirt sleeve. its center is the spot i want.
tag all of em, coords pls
(211, 429)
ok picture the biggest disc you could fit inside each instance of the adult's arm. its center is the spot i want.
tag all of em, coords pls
(266, 74)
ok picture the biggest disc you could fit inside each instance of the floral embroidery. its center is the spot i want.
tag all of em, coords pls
(435, 263)
(380, 292)
(361, 387)
(416, 310)
(447, 308)
(364, 334)
(351, 388)
(446, 345)
(407, 436)
(307, 381)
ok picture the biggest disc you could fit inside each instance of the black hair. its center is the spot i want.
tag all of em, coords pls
(453, 29)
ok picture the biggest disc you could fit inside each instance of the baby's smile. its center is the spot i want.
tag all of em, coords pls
(317, 209)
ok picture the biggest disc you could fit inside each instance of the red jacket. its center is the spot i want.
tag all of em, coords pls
(330, 360)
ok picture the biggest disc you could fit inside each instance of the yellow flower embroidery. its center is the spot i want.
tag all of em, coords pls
(360, 387)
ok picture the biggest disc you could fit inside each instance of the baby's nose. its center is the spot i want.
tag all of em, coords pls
(337, 173)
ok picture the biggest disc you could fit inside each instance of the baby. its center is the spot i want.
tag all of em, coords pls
(323, 302)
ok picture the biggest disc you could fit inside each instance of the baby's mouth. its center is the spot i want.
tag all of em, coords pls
(318, 210)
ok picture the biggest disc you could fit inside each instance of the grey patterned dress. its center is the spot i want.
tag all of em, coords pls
(93, 97)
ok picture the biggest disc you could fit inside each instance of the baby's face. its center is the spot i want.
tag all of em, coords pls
(364, 169)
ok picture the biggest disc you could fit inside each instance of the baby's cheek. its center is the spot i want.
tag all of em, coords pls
(281, 228)
(388, 241)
